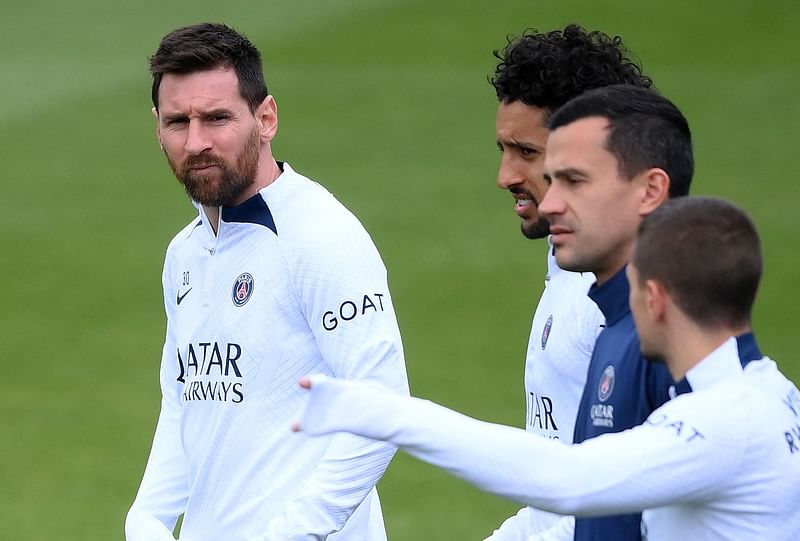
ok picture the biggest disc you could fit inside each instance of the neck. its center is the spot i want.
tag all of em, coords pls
(614, 264)
(268, 172)
(605, 275)
(212, 213)
(691, 344)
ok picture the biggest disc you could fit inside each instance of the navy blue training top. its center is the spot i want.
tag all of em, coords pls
(622, 389)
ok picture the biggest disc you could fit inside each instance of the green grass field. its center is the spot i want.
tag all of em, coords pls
(387, 104)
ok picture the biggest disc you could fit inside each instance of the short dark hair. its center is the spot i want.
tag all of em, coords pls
(209, 46)
(548, 69)
(645, 130)
(707, 253)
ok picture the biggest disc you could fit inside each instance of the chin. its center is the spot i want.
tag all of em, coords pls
(536, 230)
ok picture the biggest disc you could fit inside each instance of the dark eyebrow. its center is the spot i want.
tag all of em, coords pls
(521, 145)
(166, 118)
(568, 172)
(173, 117)
(216, 112)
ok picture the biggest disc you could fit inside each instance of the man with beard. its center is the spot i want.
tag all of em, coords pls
(536, 74)
(272, 280)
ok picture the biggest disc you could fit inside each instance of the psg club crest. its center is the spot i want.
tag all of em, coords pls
(242, 289)
(546, 331)
(606, 386)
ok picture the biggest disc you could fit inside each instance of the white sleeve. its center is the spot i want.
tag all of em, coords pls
(666, 459)
(514, 528)
(346, 301)
(522, 527)
(563, 530)
(164, 490)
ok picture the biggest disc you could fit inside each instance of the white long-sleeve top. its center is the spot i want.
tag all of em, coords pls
(721, 462)
(290, 284)
(563, 332)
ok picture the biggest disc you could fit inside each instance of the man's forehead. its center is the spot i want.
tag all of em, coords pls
(518, 111)
(580, 145)
(588, 129)
(211, 86)
(585, 133)
(518, 123)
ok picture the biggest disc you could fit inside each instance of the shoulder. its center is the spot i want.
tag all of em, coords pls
(306, 211)
(720, 410)
(771, 391)
(703, 421)
(316, 233)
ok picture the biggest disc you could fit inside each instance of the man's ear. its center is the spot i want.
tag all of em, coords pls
(158, 127)
(657, 299)
(267, 116)
(656, 190)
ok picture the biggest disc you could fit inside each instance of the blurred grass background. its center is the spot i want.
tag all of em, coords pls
(387, 104)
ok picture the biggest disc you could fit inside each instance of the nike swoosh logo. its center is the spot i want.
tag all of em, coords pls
(181, 297)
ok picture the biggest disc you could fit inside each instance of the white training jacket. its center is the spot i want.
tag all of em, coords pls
(563, 333)
(291, 284)
(721, 462)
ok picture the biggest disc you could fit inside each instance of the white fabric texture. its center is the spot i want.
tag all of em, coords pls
(250, 311)
(564, 329)
(717, 463)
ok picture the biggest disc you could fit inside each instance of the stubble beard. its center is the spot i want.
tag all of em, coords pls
(233, 180)
(537, 230)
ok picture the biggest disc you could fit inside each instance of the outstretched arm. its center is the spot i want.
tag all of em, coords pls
(640, 467)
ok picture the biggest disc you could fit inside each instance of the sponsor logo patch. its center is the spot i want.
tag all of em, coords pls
(242, 289)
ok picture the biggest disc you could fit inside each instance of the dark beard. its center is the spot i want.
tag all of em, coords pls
(538, 230)
(234, 180)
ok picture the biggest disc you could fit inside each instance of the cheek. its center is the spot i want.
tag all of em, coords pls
(538, 186)
(615, 207)
(173, 143)
(230, 144)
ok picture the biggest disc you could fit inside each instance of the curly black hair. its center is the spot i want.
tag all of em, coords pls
(548, 69)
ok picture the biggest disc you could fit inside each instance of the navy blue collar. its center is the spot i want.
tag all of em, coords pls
(253, 211)
(748, 348)
(748, 352)
(612, 297)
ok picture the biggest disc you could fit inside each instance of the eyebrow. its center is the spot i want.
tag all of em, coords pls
(515, 143)
(568, 172)
(171, 117)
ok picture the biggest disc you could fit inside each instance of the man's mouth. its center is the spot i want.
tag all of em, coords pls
(202, 166)
(558, 233)
(523, 202)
